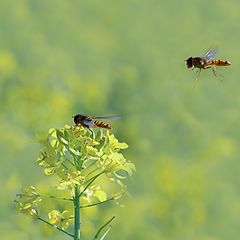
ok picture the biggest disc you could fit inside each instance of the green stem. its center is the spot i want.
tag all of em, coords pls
(96, 169)
(41, 219)
(76, 200)
(94, 204)
(58, 198)
(102, 227)
(94, 161)
(90, 182)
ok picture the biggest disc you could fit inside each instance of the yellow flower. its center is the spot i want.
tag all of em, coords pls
(59, 219)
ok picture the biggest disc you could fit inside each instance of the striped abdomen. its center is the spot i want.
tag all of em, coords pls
(102, 124)
(219, 62)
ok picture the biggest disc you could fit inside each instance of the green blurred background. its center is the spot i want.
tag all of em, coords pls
(58, 58)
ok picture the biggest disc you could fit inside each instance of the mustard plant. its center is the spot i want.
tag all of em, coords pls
(80, 164)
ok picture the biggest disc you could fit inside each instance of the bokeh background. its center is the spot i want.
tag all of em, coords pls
(58, 58)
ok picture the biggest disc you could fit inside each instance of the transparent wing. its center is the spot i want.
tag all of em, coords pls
(211, 53)
(109, 117)
(88, 122)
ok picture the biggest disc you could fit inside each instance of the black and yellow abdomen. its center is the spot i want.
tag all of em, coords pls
(219, 62)
(102, 124)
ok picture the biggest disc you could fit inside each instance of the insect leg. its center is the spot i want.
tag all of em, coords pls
(91, 131)
(214, 71)
(198, 72)
(196, 79)
(216, 74)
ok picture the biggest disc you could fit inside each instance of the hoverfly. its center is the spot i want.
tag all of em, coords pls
(206, 61)
(92, 122)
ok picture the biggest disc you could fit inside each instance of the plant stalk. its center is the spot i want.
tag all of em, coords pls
(76, 201)
(52, 225)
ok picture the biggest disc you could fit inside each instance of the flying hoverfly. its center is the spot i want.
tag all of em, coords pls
(92, 122)
(206, 61)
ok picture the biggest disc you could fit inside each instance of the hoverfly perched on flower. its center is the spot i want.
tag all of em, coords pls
(206, 61)
(92, 122)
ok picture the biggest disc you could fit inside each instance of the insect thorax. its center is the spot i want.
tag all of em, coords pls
(198, 62)
(79, 118)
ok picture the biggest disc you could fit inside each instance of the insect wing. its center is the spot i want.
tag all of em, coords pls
(109, 117)
(211, 54)
(88, 122)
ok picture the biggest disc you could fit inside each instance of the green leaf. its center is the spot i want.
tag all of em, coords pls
(61, 138)
(120, 145)
(99, 135)
(92, 151)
